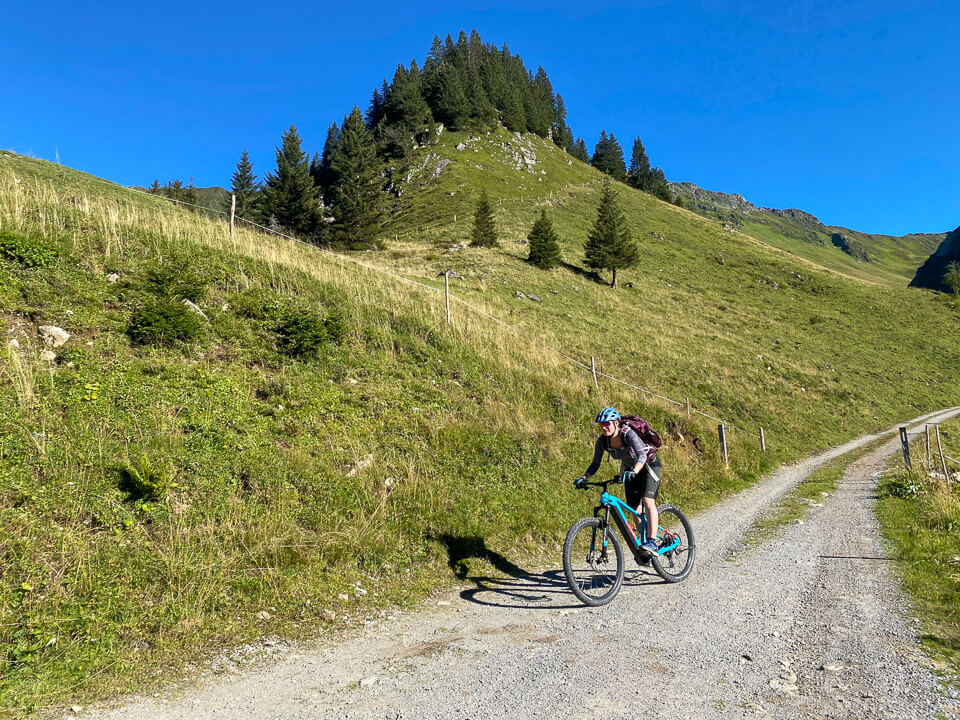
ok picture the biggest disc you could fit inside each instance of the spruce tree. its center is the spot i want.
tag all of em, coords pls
(289, 194)
(544, 244)
(609, 245)
(356, 195)
(375, 110)
(243, 184)
(321, 172)
(560, 130)
(639, 165)
(484, 230)
(608, 157)
(579, 151)
(951, 278)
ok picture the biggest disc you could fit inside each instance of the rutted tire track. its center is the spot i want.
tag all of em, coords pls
(807, 625)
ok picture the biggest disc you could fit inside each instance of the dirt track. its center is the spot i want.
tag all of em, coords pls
(807, 625)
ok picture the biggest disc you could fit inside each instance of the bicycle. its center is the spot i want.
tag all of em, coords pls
(596, 577)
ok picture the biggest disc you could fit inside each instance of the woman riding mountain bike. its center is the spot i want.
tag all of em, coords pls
(640, 469)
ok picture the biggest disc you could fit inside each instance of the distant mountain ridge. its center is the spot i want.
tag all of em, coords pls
(871, 256)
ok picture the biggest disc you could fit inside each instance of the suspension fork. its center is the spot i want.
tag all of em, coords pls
(604, 528)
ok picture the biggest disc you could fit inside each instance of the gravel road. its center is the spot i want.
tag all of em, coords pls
(807, 625)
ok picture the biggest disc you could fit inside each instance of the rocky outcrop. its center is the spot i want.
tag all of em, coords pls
(930, 274)
(798, 217)
(709, 200)
(853, 248)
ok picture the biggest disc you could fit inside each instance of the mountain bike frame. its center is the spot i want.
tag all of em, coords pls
(608, 503)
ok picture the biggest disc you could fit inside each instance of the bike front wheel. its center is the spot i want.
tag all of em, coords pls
(675, 534)
(593, 561)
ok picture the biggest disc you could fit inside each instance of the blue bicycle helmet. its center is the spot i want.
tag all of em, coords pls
(606, 415)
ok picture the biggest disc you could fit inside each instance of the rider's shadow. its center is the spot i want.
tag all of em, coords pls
(517, 587)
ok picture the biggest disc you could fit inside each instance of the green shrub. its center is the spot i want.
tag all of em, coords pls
(302, 332)
(177, 278)
(903, 484)
(257, 304)
(142, 481)
(29, 252)
(164, 321)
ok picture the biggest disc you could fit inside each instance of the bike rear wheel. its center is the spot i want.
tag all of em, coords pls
(594, 571)
(674, 564)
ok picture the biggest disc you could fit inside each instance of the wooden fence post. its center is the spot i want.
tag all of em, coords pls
(688, 408)
(593, 369)
(446, 288)
(763, 441)
(723, 444)
(233, 210)
(943, 462)
(926, 432)
(905, 445)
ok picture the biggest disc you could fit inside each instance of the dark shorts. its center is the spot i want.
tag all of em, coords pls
(645, 484)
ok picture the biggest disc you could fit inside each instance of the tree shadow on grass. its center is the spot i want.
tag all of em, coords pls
(586, 274)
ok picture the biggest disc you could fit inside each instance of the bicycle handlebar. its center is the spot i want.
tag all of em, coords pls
(601, 483)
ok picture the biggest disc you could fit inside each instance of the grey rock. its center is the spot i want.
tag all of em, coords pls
(53, 335)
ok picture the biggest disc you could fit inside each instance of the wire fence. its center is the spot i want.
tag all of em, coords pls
(934, 458)
(723, 427)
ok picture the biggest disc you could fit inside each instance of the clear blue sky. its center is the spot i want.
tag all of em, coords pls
(848, 110)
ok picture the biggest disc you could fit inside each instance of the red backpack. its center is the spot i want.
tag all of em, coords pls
(642, 428)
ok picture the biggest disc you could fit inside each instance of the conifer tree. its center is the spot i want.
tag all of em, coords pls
(320, 170)
(639, 165)
(560, 130)
(243, 184)
(608, 157)
(951, 278)
(484, 229)
(375, 110)
(579, 151)
(609, 245)
(448, 96)
(190, 195)
(289, 193)
(356, 195)
(544, 244)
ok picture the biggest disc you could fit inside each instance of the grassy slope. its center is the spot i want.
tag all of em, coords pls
(472, 438)
(763, 324)
(474, 424)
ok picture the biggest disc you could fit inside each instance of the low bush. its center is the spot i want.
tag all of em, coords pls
(28, 252)
(302, 332)
(164, 321)
(257, 304)
(141, 480)
(177, 277)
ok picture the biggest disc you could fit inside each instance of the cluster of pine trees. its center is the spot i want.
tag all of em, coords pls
(337, 196)
(609, 245)
(176, 190)
(334, 198)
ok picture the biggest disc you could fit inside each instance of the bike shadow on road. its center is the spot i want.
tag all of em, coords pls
(516, 587)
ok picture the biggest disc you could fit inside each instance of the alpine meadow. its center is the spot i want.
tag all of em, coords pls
(277, 431)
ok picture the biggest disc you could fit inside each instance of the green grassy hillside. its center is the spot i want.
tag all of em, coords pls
(322, 432)
(886, 259)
